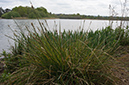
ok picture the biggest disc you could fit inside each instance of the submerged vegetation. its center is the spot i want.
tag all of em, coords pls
(41, 56)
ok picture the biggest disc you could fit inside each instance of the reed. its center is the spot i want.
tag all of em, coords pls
(41, 56)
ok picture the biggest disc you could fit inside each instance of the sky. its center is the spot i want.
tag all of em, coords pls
(83, 7)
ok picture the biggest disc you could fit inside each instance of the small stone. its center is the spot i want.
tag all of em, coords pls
(124, 80)
(122, 73)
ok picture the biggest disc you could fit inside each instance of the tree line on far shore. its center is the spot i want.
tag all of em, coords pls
(2, 11)
(27, 12)
(41, 12)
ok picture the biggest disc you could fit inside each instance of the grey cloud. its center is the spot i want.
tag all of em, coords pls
(66, 6)
(62, 4)
(103, 5)
(5, 1)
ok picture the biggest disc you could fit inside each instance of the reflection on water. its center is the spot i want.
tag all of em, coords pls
(67, 24)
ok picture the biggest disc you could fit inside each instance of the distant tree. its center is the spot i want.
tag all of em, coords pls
(42, 9)
(21, 10)
(42, 12)
(32, 15)
(29, 12)
(7, 10)
(78, 14)
(1, 11)
(11, 14)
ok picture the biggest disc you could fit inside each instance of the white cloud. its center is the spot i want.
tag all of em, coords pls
(90, 7)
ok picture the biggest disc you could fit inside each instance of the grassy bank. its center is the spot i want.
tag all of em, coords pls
(41, 56)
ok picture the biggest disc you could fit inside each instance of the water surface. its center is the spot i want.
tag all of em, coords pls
(67, 24)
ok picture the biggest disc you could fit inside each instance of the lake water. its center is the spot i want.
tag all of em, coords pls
(67, 24)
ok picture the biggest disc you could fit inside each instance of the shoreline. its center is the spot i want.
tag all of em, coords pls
(25, 18)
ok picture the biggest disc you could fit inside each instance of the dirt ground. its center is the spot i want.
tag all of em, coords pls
(122, 64)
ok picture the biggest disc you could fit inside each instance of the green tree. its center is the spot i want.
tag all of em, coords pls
(42, 12)
(11, 14)
(32, 15)
(21, 10)
(78, 14)
(42, 9)
(29, 12)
